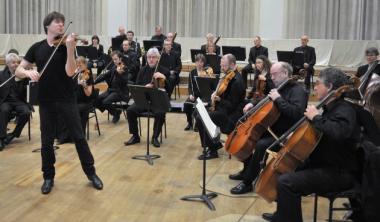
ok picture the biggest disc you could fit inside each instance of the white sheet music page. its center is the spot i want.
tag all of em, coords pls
(211, 128)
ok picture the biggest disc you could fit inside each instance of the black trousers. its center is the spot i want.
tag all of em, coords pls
(292, 186)
(22, 112)
(105, 100)
(221, 120)
(188, 109)
(309, 73)
(252, 164)
(244, 72)
(48, 126)
(173, 81)
(134, 111)
(63, 131)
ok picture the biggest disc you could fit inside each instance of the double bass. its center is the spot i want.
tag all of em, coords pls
(296, 146)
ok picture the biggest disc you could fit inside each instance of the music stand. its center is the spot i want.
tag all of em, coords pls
(205, 119)
(152, 43)
(237, 51)
(153, 100)
(116, 43)
(194, 52)
(214, 62)
(87, 52)
(285, 56)
(206, 86)
(298, 60)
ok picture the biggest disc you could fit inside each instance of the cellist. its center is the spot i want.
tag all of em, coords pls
(291, 102)
(333, 164)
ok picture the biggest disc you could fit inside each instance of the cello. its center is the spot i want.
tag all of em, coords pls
(297, 145)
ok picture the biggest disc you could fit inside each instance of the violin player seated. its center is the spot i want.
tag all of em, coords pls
(227, 105)
(117, 81)
(148, 76)
(12, 98)
(262, 82)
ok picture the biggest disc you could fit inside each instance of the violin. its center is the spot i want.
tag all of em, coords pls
(84, 75)
(208, 72)
(222, 87)
(120, 67)
(61, 40)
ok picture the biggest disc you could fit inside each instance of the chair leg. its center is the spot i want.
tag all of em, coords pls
(331, 204)
(29, 136)
(88, 129)
(161, 136)
(139, 120)
(179, 92)
(315, 207)
(97, 122)
(165, 128)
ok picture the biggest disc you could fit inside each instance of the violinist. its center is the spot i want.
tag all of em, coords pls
(332, 165)
(193, 90)
(131, 60)
(262, 82)
(227, 105)
(117, 81)
(291, 102)
(83, 92)
(56, 94)
(144, 78)
(12, 98)
(210, 39)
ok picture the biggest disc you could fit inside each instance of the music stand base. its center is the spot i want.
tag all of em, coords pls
(39, 149)
(205, 198)
(148, 157)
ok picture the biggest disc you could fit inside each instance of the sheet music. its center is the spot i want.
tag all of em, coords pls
(212, 130)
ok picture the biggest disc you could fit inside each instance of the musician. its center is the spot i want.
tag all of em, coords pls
(371, 56)
(210, 39)
(131, 61)
(255, 51)
(171, 60)
(122, 34)
(228, 106)
(262, 82)
(56, 94)
(12, 98)
(84, 89)
(135, 46)
(291, 102)
(99, 62)
(175, 46)
(144, 78)
(193, 89)
(309, 60)
(332, 165)
(95, 42)
(117, 81)
(158, 34)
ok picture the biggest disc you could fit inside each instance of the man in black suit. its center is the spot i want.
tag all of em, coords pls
(12, 98)
(210, 41)
(131, 61)
(171, 60)
(135, 46)
(175, 46)
(309, 60)
(255, 51)
(158, 34)
(371, 56)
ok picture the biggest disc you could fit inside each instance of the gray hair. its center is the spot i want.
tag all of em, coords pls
(153, 50)
(287, 68)
(11, 57)
(372, 51)
(333, 77)
(230, 58)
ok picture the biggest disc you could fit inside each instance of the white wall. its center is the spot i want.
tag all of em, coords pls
(116, 15)
(271, 19)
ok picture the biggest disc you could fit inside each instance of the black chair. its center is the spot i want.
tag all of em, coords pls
(332, 197)
(177, 89)
(151, 115)
(94, 115)
(14, 114)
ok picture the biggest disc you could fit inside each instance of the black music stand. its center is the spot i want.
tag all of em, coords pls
(89, 52)
(285, 56)
(204, 197)
(214, 62)
(237, 51)
(194, 52)
(116, 43)
(152, 43)
(153, 100)
(206, 86)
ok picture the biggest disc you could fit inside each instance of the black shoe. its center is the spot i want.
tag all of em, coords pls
(116, 116)
(9, 138)
(47, 186)
(236, 176)
(96, 181)
(188, 127)
(63, 141)
(210, 154)
(155, 142)
(242, 188)
(195, 128)
(133, 140)
(2, 145)
(269, 216)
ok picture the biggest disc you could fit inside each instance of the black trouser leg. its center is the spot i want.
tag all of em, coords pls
(132, 114)
(244, 72)
(188, 109)
(5, 110)
(22, 113)
(159, 119)
(84, 111)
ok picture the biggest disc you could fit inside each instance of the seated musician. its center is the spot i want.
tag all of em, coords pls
(175, 46)
(371, 56)
(193, 89)
(84, 96)
(158, 34)
(135, 46)
(309, 60)
(117, 81)
(131, 61)
(171, 60)
(262, 82)
(145, 78)
(210, 39)
(332, 165)
(99, 62)
(291, 102)
(227, 106)
(12, 98)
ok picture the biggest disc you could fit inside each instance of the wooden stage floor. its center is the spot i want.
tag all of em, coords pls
(133, 190)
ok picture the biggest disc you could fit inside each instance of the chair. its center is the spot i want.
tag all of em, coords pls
(177, 89)
(332, 197)
(93, 112)
(120, 105)
(13, 113)
(151, 115)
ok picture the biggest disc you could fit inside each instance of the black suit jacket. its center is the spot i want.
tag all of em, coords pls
(161, 37)
(254, 52)
(363, 69)
(171, 61)
(309, 57)
(177, 47)
(116, 82)
(20, 86)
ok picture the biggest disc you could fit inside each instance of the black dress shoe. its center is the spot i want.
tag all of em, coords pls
(2, 145)
(116, 116)
(155, 142)
(188, 127)
(9, 138)
(242, 188)
(133, 140)
(236, 176)
(269, 216)
(210, 154)
(96, 181)
(47, 186)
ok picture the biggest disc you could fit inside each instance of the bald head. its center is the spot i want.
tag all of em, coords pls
(228, 62)
(304, 40)
(280, 71)
(121, 30)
